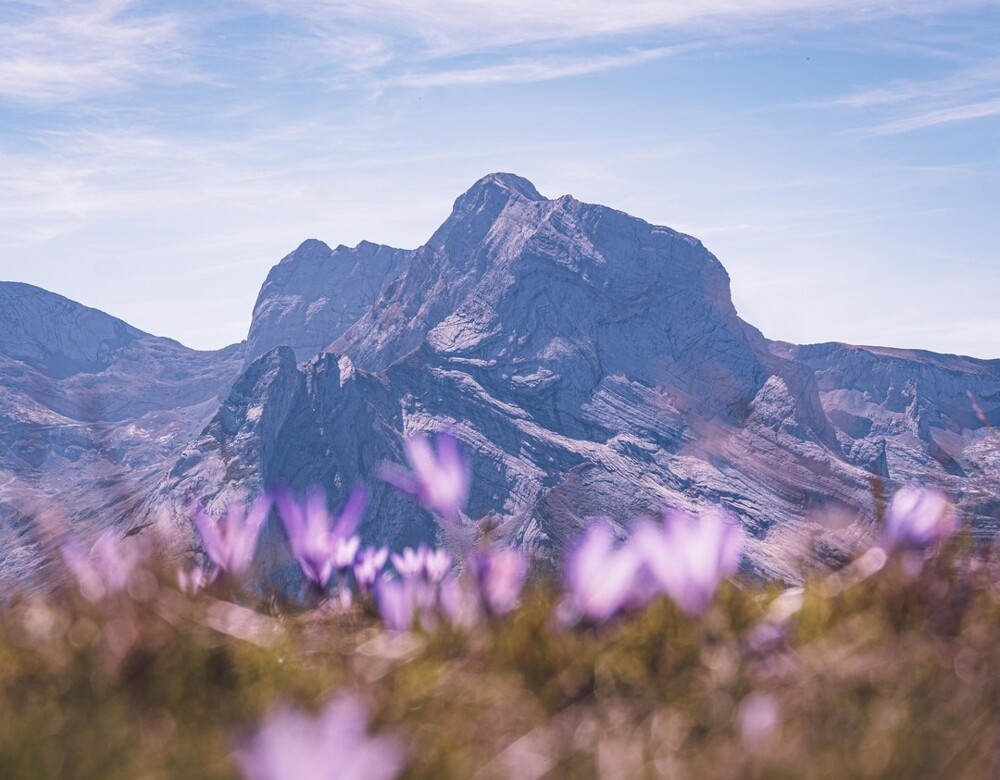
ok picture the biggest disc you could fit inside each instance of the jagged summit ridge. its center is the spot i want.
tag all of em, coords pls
(315, 293)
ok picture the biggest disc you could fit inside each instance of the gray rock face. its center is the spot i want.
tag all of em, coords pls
(592, 364)
(316, 293)
(92, 412)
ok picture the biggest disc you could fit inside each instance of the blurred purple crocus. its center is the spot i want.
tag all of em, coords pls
(436, 564)
(403, 601)
(422, 562)
(368, 566)
(439, 479)
(333, 745)
(918, 518)
(460, 604)
(600, 580)
(108, 568)
(688, 558)
(230, 544)
(499, 576)
(319, 542)
(410, 562)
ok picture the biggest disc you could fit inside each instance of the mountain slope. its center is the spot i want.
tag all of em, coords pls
(92, 411)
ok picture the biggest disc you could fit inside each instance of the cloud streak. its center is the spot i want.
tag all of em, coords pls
(53, 52)
(453, 26)
(411, 43)
(910, 105)
(936, 117)
(524, 71)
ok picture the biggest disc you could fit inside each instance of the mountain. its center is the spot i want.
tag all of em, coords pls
(92, 411)
(592, 363)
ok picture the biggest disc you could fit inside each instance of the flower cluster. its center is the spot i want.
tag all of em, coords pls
(322, 543)
(108, 568)
(680, 557)
(683, 558)
(231, 542)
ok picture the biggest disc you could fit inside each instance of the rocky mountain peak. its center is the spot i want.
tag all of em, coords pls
(310, 250)
(509, 183)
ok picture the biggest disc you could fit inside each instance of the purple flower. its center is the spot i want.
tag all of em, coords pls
(499, 576)
(108, 568)
(369, 565)
(319, 542)
(423, 562)
(230, 543)
(333, 745)
(918, 518)
(410, 563)
(436, 564)
(459, 603)
(401, 602)
(600, 580)
(439, 481)
(396, 604)
(688, 559)
(345, 552)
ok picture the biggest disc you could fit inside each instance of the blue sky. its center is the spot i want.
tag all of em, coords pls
(842, 160)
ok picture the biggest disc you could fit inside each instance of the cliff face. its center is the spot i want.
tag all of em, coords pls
(592, 363)
(316, 293)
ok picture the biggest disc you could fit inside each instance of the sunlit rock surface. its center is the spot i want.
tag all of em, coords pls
(592, 363)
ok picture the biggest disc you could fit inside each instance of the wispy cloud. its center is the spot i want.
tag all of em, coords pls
(451, 26)
(933, 118)
(427, 44)
(54, 51)
(532, 70)
(907, 105)
(64, 50)
(958, 84)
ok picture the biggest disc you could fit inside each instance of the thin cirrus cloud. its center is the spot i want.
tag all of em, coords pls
(525, 71)
(461, 25)
(940, 116)
(531, 41)
(66, 50)
(909, 105)
(53, 52)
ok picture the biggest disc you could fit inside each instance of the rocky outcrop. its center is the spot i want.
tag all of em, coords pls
(316, 293)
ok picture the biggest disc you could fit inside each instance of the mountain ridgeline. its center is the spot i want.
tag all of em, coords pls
(591, 363)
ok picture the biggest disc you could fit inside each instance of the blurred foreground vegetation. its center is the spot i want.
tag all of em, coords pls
(889, 675)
